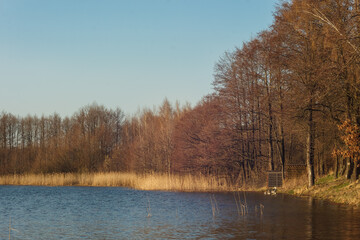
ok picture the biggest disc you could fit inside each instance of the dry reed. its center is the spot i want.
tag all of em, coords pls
(10, 228)
(296, 185)
(148, 208)
(214, 205)
(242, 208)
(115, 179)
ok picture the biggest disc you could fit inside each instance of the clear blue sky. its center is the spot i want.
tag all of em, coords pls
(59, 56)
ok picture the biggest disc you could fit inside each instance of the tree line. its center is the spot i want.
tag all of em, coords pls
(288, 96)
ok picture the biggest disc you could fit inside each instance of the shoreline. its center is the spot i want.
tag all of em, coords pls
(336, 190)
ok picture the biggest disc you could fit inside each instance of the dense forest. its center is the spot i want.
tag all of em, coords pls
(290, 96)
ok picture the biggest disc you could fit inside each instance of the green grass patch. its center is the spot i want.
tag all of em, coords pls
(325, 180)
(341, 185)
(291, 192)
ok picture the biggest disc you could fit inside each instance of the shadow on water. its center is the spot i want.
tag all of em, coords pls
(120, 213)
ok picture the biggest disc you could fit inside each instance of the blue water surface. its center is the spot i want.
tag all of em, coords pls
(120, 213)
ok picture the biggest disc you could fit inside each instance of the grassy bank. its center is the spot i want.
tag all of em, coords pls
(137, 181)
(338, 190)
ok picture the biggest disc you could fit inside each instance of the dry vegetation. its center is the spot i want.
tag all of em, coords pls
(137, 181)
(339, 190)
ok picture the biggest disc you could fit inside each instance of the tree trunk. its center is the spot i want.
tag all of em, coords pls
(310, 161)
(244, 174)
(282, 138)
(354, 175)
(349, 167)
(259, 126)
(270, 112)
(310, 149)
(336, 169)
(342, 166)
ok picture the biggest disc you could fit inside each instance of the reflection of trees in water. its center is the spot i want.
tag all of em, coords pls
(331, 221)
(287, 218)
(309, 218)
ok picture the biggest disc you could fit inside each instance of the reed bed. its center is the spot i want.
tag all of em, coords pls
(295, 185)
(153, 181)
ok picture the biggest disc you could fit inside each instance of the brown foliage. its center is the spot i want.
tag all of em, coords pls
(351, 139)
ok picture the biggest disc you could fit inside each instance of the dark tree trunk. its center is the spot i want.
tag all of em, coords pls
(336, 168)
(259, 126)
(270, 112)
(271, 147)
(354, 175)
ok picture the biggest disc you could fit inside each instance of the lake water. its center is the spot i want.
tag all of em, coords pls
(121, 213)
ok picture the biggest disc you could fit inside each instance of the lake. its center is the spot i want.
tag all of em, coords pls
(121, 213)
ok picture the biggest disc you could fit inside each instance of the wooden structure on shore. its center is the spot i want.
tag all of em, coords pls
(275, 179)
(295, 170)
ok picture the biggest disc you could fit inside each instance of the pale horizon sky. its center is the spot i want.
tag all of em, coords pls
(59, 56)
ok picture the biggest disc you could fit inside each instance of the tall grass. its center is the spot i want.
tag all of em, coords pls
(295, 185)
(137, 181)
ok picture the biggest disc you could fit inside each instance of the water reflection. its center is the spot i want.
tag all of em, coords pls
(310, 216)
(331, 220)
(119, 213)
(290, 218)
